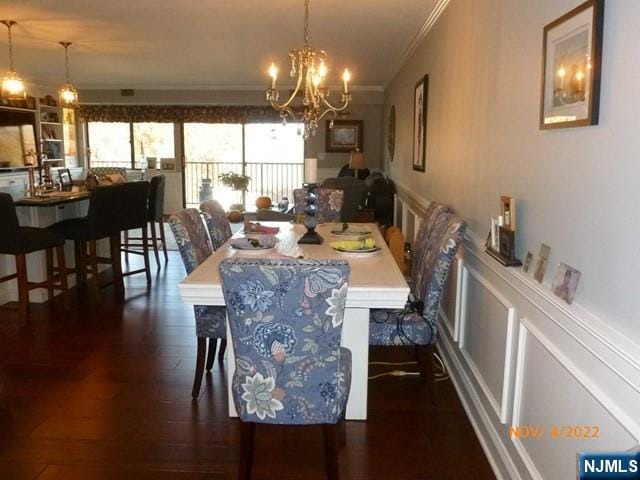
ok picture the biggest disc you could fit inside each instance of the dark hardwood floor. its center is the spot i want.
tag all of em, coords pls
(104, 392)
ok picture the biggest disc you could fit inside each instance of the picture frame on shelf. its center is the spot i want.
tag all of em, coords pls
(565, 282)
(528, 260)
(344, 136)
(508, 212)
(571, 68)
(420, 101)
(541, 265)
(506, 243)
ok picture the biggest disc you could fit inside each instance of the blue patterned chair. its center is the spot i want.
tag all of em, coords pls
(286, 322)
(217, 223)
(194, 245)
(329, 203)
(437, 242)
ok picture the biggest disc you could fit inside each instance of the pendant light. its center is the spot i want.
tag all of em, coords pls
(12, 85)
(67, 94)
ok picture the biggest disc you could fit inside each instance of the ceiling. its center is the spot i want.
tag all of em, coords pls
(205, 44)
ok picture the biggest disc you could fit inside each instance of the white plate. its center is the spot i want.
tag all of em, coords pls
(350, 232)
(252, 249)
(358, 250)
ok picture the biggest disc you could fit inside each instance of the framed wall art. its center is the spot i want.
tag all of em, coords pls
(345, 136)
(420, 97)
(391, 133)
(571, 68)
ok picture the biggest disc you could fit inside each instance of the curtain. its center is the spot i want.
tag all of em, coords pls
(179, 113)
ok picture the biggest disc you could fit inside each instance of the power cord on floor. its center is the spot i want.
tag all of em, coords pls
(440, 371)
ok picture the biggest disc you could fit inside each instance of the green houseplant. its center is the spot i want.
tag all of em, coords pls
(236, 181)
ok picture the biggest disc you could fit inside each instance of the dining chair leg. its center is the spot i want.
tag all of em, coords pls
(145, 254)
(162, 239)
(211, 354)
(93, 263)
(23, 287)
(116, 261)
(197, 381)
(126, 246)
(223, 347)
(80, 266)
(425, 362)
(247, 442)
(49, 255)
(331, 447)
(154, 241)
(62, 273)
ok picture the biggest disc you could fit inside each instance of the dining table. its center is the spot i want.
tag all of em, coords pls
(375, 282)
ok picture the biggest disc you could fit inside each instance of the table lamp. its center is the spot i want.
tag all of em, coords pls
(356, 162)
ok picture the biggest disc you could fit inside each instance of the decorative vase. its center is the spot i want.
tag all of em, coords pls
(205, 190)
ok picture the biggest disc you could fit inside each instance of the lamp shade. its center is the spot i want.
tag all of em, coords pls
(357, 160)
(310, 170)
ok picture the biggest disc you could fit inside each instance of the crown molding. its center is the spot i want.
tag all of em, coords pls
(209, 87)
(417, 39)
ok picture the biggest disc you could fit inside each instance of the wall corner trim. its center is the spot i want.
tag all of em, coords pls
(417, 39)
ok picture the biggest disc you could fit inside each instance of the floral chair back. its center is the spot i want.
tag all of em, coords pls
(329, 203)
(217, 223)
(420, 243)
(191, 237)
(286, 322)
(445, 238)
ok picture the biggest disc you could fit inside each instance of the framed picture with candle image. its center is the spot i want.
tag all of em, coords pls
(420, 96)
(344, 135)
(571, 68)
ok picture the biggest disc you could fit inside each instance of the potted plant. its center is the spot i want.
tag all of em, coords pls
(236, 181)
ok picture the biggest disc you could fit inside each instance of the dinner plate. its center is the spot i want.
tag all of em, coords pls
(252, 249)
(352, 233)
(358, 250)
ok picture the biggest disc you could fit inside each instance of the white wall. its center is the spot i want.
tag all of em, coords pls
(577, 189)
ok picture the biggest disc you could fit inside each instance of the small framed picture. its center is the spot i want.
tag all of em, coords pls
(508, 212)
(527, 262)
(571, 67)
(420, 97)
(507, 243)
(541, 266)
(565, 282)
(345, 136)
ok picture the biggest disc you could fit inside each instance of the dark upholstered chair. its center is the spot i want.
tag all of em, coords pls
(354, 194)
(290, 367)
(437, 242)
(217, 223)
(329, 202)
(155, 215)
(211, 321)
(112, 209)
(19, 241)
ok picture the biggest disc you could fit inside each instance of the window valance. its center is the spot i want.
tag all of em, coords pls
(179, 113)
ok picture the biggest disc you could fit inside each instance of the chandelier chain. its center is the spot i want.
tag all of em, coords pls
(9, 24)
(306, 23)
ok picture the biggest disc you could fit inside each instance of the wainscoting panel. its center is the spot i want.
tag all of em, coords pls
(487, 339)
(552, 397)
(520, 357)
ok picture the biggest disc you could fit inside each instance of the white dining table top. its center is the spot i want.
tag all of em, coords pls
(375, 280)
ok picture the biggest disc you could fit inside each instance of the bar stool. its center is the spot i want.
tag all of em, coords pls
(155, 214)
(19, 241)
(112, 209)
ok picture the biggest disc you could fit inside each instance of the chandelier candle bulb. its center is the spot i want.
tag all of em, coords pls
(346, 76)
(273, 73)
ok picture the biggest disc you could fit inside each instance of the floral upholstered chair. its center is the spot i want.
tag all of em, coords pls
(194, 245)
(286, 322)
(217, 223)
(329, 203)
(417, 324)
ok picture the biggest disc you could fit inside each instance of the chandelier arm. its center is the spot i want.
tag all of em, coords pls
(336, 109)
(286, 104)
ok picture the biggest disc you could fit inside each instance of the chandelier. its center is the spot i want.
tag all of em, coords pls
(310, 66)
(67, 94)
(12, 85)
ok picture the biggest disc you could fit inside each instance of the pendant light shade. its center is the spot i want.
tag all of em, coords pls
(67, 95)
(12, 85)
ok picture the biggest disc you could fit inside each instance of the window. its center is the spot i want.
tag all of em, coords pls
(110, 143)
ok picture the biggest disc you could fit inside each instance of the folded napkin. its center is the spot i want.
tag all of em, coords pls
(354, 244)
(251, 227)
(266, 241)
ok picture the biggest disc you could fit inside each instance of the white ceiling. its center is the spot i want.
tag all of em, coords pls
(204, 44)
